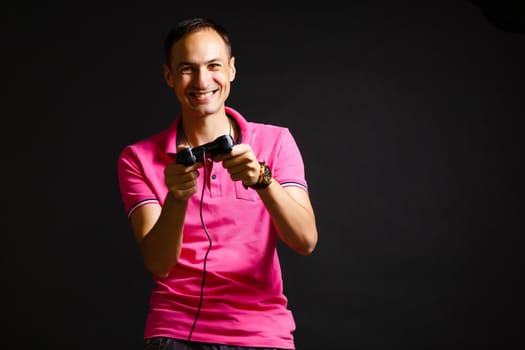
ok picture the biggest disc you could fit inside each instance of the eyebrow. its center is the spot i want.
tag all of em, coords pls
(187, 63)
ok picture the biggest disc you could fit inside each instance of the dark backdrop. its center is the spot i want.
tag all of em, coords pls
(408, 115)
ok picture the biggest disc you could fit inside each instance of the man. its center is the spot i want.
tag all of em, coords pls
(208, 231)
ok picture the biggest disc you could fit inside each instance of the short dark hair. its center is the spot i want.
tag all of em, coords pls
(191, 25)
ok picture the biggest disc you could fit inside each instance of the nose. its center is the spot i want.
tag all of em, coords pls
(201, 78)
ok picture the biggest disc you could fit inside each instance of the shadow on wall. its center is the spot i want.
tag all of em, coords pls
(508, 15)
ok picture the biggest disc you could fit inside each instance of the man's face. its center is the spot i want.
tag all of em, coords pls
(200, 72)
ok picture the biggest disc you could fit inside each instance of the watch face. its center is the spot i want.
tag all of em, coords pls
(265, 178)
(267, 174)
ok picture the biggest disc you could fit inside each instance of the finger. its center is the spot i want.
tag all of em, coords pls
(184, 180)
(247, 172)
(183, 194)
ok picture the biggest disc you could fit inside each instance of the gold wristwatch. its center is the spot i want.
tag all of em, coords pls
(265, 177)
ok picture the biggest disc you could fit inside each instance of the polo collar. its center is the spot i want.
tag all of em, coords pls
(173, 133)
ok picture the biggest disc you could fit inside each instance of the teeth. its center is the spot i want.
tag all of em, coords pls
(208, 94)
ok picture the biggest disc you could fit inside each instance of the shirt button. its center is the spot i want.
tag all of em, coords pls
(214, 176)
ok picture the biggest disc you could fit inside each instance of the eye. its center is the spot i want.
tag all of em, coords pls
(214, 66)
(186, 70)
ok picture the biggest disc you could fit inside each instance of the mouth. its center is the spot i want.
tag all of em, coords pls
(202, 95)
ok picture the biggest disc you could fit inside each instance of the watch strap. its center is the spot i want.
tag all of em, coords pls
(265, 177)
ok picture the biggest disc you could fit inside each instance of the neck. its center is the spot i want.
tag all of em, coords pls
(198, 131)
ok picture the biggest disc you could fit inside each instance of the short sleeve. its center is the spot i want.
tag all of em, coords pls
(288, 166)
(134, 187)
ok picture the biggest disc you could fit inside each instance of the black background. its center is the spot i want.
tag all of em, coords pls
(408, 115)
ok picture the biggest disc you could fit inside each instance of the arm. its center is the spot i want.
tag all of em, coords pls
(293, 216)
(159, 230)
(290, 208)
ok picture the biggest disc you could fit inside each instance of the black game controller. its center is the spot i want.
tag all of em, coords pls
(188, 156)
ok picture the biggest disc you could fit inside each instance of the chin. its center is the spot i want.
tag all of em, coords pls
(207, 109)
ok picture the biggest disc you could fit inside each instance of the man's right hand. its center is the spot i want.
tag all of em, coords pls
(182, 180)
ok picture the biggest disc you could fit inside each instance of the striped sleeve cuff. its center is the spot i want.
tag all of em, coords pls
(140, 204)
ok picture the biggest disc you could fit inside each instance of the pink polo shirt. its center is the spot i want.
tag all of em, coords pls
(243, 301)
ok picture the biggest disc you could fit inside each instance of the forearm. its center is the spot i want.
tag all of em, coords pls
(162, 245)
(292, 215)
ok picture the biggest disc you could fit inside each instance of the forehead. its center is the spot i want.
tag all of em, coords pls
(204, 44)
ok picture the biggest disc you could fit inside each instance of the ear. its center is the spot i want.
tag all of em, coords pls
(168, 76)
(233, 70)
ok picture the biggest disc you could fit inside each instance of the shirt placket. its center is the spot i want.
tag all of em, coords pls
(216, 174)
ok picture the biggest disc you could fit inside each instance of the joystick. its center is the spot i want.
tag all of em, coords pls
(189, 156)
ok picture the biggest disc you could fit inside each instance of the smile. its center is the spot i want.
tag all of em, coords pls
(203, 95)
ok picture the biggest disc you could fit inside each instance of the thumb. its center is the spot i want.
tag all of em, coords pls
(181, 147)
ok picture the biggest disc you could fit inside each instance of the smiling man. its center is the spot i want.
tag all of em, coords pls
(208, 231)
